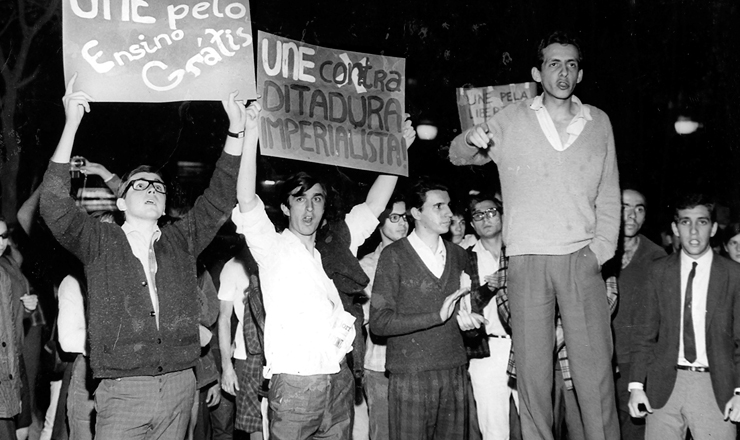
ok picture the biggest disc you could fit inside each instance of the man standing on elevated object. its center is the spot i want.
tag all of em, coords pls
(560, 187)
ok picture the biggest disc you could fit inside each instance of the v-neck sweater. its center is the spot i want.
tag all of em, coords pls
(556, 202)
(405, 306)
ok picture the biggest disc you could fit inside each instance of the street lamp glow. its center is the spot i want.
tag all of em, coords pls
(426, 132)
(684, 125)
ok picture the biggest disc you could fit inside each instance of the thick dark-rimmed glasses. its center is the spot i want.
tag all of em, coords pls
(144, 184)
(395, 218)
(488, 213)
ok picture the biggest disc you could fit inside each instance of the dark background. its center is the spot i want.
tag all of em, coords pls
(645, 63)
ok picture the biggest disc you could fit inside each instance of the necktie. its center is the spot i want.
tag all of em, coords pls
(689, 342)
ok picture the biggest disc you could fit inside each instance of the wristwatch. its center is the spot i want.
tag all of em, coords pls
(236, 135)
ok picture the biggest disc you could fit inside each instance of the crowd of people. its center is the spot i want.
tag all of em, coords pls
(556, 318)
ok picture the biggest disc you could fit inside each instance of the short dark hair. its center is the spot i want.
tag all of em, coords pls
(298, 184)
(559, 37)
(121, 192)
(730, 231)
(418, 192)
(692, 200)
(474, 199)
(395, 198)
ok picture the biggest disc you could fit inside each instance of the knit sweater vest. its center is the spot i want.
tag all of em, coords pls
(556, 202)
(405, 306)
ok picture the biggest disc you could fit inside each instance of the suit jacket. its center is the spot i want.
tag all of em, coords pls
(657, 333)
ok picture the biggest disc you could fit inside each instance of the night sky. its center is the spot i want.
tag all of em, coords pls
(645, 63)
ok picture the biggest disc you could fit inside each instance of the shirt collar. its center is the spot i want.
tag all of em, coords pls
(583, 111)
(704, 261)
(128, 230)
(414, 237)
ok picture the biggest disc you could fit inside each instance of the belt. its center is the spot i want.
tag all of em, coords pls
(694, 369)
(499, 336)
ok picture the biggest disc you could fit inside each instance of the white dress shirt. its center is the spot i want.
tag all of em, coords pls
(488, 265)
(71, 323)
(575, 127)
(698, 309)
(143, 249)
(302, 305)
(234, 283)
(698, 306)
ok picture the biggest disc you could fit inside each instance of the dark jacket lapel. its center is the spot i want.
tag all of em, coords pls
(717, 288)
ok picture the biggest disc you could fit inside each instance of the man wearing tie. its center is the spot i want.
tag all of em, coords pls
(686, 357)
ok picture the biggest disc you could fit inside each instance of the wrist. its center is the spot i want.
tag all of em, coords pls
(238, 134)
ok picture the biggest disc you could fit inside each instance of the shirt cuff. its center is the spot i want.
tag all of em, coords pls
(635, 386)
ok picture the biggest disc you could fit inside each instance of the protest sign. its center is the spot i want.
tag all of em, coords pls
(331, 106)
(159, 51)
(476, 105)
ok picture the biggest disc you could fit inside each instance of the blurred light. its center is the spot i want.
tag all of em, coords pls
(426, 132)
(269, 183)
(685, 125)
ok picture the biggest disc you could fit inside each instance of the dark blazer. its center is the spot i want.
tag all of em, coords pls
(657, 331)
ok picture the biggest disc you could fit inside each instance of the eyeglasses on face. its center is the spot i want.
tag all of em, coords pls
(144, 184)
(5, 235)
(395, 218)
(488, 213)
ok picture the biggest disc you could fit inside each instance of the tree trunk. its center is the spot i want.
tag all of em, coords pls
(10, 161)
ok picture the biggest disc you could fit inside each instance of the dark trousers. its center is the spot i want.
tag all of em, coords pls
(222, 418)
(573, 283)
(429, 405)
(632, 429)
(7, 429)
(316, 406)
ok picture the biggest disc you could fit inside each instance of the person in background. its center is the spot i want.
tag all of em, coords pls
(731, 241)
(457, 231)
(233, 296)
(394, 225)
(488, 348)
(15, 301)
(632, 270)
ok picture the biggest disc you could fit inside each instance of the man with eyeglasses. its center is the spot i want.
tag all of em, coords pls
(489, 348)
(143, 310)
(394, 225)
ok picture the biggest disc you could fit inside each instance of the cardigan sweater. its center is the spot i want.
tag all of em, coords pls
(556, 202)
(405, 308)
(124, 338)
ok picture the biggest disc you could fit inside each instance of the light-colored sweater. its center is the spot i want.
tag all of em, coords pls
(556, 202)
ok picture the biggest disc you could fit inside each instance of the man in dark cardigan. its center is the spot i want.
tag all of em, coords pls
(416, 289)
(632, 267)
(143, 299)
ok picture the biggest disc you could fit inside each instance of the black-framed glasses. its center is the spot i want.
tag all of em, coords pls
(5, 235)
(488, 213)
(395, 218)
(144, 184)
